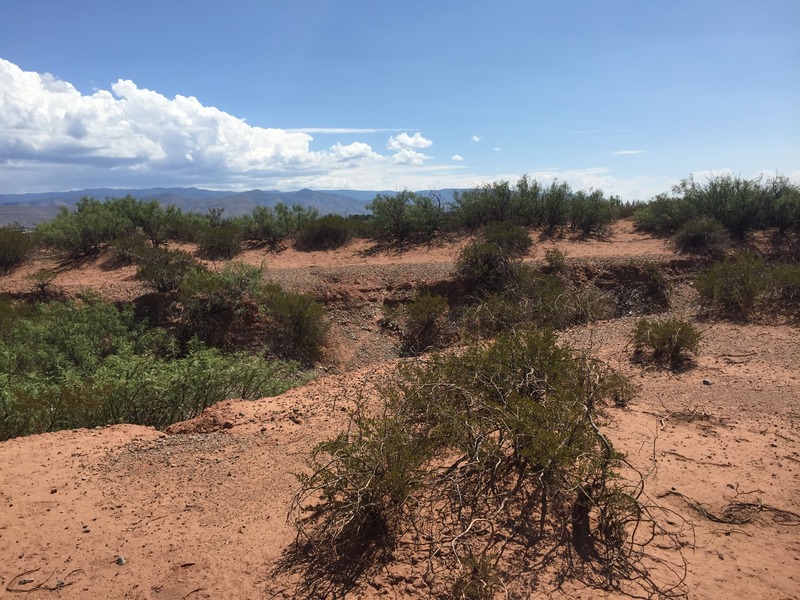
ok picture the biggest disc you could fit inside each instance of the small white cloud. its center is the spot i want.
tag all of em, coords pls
(477, 138)
(405, 141)
(457, 158)
(627, 152)
(496, 149)
(407, 156)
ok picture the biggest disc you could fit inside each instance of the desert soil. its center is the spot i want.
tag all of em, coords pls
(199, 511)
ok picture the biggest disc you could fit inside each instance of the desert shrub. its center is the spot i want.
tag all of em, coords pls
(485, 268)
(298, 327)
(16, 246)
(783, 285)
(591, 213)
(164, 269)
(587, 304)
(734, 202)
(42, 281)
(670, 342)
(555, 205)
(628, 208)
(273, 225)
(556, 261)
(428, 214)
(324, 233)
(215, 304)
(423, 323)
(392, 218)
(656, 286)
(510, 238)
(86, 363)
(220, 242)
(664, 214)
(81, 232)
(702, 236)
(129, 248)
(732, 287)
(496, 442)
(781, 206)
(185, 227)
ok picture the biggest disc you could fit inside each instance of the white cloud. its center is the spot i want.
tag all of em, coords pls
(457, 158)
(496, 149)
(54, 137)
(627, 152)
(477, 138)
(404, 141)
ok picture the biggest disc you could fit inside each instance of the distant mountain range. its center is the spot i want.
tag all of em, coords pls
(30, 209)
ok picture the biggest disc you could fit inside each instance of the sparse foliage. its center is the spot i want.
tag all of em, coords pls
(670, 343)
(472, 457)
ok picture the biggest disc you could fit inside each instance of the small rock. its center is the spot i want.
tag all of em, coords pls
(707, 382)
(227, 425)
(60, 583)
(53, 490)
(25, 581)
(120, 560)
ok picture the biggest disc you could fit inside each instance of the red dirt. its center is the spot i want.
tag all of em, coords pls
(199, 511)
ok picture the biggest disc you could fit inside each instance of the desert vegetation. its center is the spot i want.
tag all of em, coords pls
(484, 456)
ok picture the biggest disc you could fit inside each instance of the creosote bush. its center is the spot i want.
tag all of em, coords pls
(488, 454)
(669, 343)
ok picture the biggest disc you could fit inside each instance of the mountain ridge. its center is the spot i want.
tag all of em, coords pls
(29, 209)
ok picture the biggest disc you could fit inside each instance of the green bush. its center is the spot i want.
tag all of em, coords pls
(273, 225)
(556, 261)
(235, 307)
(324, 233)
(164, 269)
(496, 442)
(298, 328)
(702, 236)
(664, 215)
(783, 286)
(485, 268)
(16, 246)
(733, 287)
(670, 342)
(86, 363)
(216, 305)
(128, 249)
(591, 213)
(555, 205)
(508, 237)
(423, 323)
(221, 242)
(81, 232)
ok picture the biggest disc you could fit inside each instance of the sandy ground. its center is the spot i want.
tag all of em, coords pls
(199, 511)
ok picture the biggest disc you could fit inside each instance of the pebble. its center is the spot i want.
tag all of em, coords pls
(120, 560)
(707, 382)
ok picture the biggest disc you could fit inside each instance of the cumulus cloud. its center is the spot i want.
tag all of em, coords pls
(457, 158)
(129, 135)
(405, 141)
(477, 138)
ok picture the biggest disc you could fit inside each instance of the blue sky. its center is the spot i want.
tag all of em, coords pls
(623, 95)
